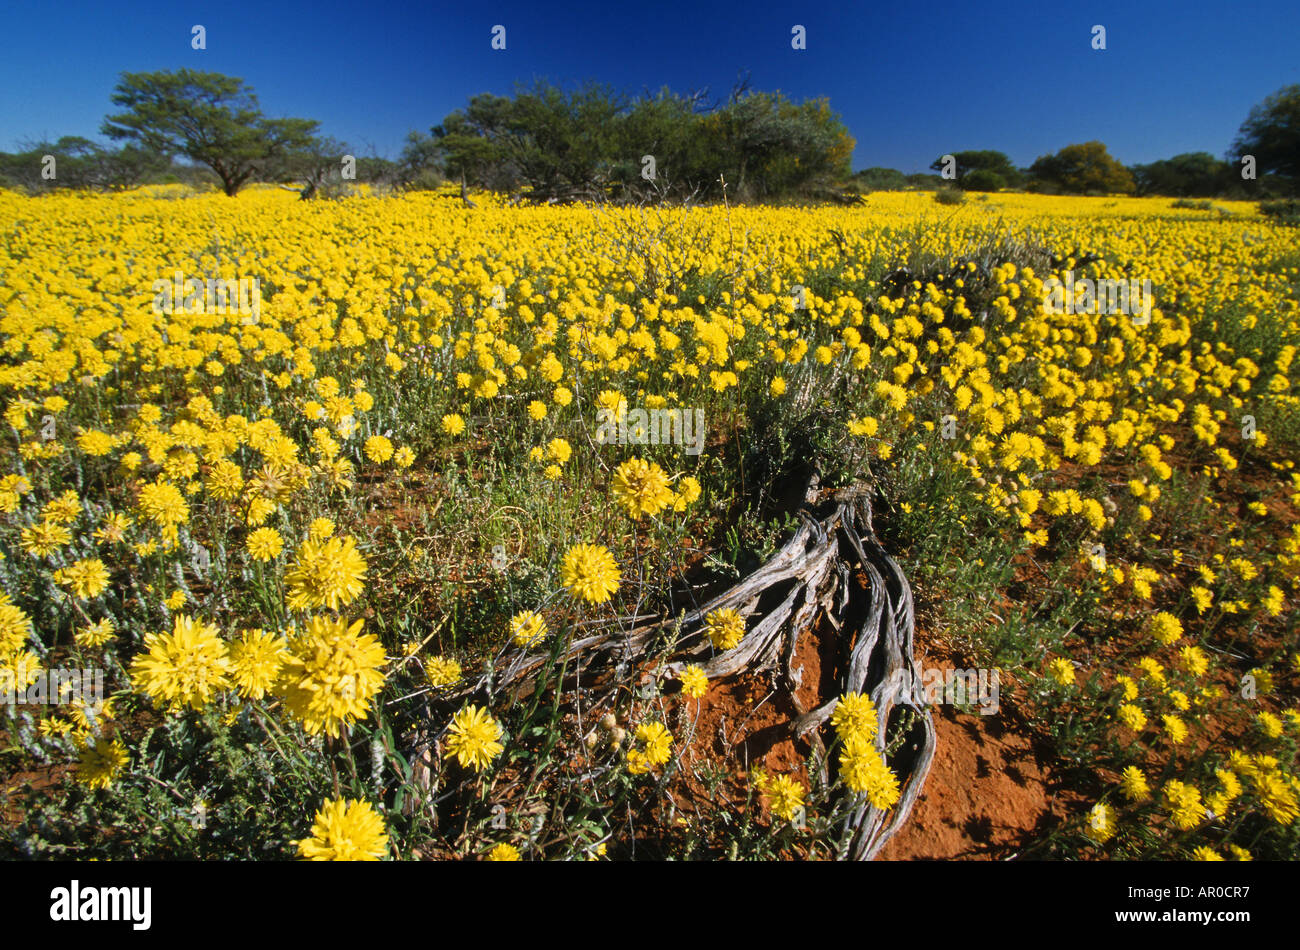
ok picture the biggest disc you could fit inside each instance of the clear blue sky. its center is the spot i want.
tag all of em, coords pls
(911, 80)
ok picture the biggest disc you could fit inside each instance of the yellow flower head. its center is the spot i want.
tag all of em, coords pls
(590, 573)
(325, 574)
(642, 487)
(185, 668)
(345, 831)
(725, 628)
(331, 674)
(472, 738)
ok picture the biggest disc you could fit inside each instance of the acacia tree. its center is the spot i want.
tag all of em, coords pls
(208, 118)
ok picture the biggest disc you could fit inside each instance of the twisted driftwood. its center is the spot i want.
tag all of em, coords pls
(811, 573)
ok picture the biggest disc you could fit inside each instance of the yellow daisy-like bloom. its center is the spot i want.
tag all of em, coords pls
(44, 538)
(1061, 670)
(15, 627)
(784, 796)
(1203, 853)
(185, 668)
(95, 634)
(1165, 627)
(1101, 823)
(855, 715)
(101, 763)
(18, 670)
(1175, 729)
(656, 748)
(1270, 724)
(527, 628)
(864, 771)
(85, 578)
(1133, 784)
(64, 509)
(326, 574)
(688, 491)
(378, 449)
(345, 831)
(1194, 660)
(1132, 717)
(114, 528)
(320, 529)
(255, 662)
(695, 683)
(332, 673)
(472, 738)
(453, 424)
(265, 544)
(642, 488)
(1276, 795)
(503, 852)
(1184, 804)
(442, 671)
(96, 443)
(559, 451)
(537, 410)
(590, 573)
(163, 504)
(725, 628)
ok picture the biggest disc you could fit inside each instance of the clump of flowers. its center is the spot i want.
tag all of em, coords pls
(862, 766)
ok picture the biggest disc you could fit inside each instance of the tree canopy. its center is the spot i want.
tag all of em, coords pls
(211, 119)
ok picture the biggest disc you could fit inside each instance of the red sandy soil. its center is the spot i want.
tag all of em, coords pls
(990, 790)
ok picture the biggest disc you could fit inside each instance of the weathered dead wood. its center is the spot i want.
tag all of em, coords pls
(813, 577)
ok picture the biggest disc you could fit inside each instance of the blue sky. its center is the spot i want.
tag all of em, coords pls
(912, 81)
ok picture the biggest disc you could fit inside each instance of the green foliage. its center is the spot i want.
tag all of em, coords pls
(1082, 169)
(1190, 175)
(1283, 211)
(79, 163)
(985, 170)
(1271, 133)
(950, 196)
(880, 179)
(212, 119)
(592, 143)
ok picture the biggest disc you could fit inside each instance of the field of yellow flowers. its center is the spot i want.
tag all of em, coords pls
(285, 533)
